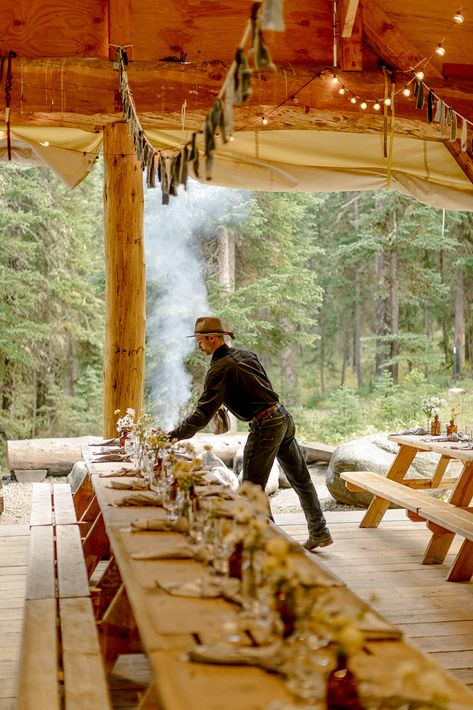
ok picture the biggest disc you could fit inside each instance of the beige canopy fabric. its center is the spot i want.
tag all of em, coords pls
(302, 161)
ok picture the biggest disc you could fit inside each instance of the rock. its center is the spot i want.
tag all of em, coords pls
(77, 475)
(30, 475)
(218, 468)
(373, 453)
(273, 480)
(314, 451)
(223, 445)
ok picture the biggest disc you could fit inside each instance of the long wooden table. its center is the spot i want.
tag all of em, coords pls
(169, 626)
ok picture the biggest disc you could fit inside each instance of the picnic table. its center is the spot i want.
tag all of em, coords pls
(168, 626)
(444, 518)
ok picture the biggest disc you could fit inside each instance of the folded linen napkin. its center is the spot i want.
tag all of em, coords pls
(160, 525)
(204, 588)
(180, 550)
(107, 458)
(107, 442)
(271, 657)
(144, 498)
(451, 437)
(120, 472)
(138, 484)
(213, 492)
(418, 431)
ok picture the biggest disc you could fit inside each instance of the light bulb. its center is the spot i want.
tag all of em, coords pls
(353, 100)
(387, 102)
(440, 50)
(45, 143)
(341, 91)
(265, 121)
(458, 17)
(420, 75)
(376, 106)
(406, 91)
(363, 105)
(334, 79)
(231, 138)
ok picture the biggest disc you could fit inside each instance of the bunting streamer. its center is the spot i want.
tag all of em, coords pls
(170, 167)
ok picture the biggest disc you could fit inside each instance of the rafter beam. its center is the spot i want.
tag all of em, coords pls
(388, 42)
(348, 10)
(461, 157)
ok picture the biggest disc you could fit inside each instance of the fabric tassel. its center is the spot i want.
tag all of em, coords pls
(228, 107)
(272, 16)
(262, 57)
(150, 173)
(430, 106)
(463, 136)
(242, 78)
(420, 96)
(212, 121)
(193, 155)
(453, 126)
(442, 116)
(437, 111)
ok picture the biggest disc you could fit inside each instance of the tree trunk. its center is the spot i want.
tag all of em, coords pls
(394, 301)
(380, 307)
(426, 334)
(125, 280)
(345, 357)
(445, 320)
(226, 259)
(357, 348)
(288, 364)
(322, 358)
(459, 325)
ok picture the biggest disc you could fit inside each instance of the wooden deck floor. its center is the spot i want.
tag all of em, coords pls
(381, 565)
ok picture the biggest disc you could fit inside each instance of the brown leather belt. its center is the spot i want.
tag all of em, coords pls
(266, 412)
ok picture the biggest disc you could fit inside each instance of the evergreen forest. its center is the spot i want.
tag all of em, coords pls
(359, 304)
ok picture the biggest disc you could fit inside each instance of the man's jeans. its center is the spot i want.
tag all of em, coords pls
(272, 438)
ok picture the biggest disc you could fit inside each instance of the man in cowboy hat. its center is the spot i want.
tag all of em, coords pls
(237, 379)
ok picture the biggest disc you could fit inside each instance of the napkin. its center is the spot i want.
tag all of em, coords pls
(138, 485)
(419, 431)
(204, 588)
(271, 657)
(209, 491)
(107, 458)
(145, 498)
(108, 442)
(180, 550)
(120, 472)
(160, 525)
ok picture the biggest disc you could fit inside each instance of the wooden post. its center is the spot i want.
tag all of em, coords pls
(125, 277)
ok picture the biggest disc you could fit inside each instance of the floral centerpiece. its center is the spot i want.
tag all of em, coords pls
(432, 407)
(157, 441)
(125, 424)
(451, 426)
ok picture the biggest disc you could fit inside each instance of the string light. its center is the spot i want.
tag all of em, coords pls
(440, 50)
(420, 75)
(406, 91)
(353, 99)
(458, 17)
(363, 105)
(265, 121)
(45, 143)
(376, 106)
(231, 138)
(335, 79)
(387, 102)
(341, 91)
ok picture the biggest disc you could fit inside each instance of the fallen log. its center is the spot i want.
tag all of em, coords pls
(57, 456)
(314, 451)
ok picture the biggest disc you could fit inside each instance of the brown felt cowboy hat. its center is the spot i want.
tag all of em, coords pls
(208, 325)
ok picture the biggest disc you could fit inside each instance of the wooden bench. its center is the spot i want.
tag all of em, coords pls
(443, 519)
(61, 663)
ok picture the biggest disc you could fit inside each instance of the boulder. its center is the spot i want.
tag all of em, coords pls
(212, 462)
(273, 480)
(374, 453)
(77, 475)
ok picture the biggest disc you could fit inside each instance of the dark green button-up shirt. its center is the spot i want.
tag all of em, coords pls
(235, 378)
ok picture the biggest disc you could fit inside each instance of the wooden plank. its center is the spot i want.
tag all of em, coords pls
(64, 511)
(41, 573)
(71, 571)
(84, 677)
(38, 682)
(41, 505)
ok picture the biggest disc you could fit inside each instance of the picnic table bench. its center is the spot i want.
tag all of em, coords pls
(61, 662)
(444, 519)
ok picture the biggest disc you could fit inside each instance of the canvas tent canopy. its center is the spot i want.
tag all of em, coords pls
(64, 90)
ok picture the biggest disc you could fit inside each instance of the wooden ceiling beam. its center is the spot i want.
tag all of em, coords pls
(54, 90)
(350, 46)
(120, 25)
(388, 42)
(463, 159)
(347, 10)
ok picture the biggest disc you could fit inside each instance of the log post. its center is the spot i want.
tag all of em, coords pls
(125, 277)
